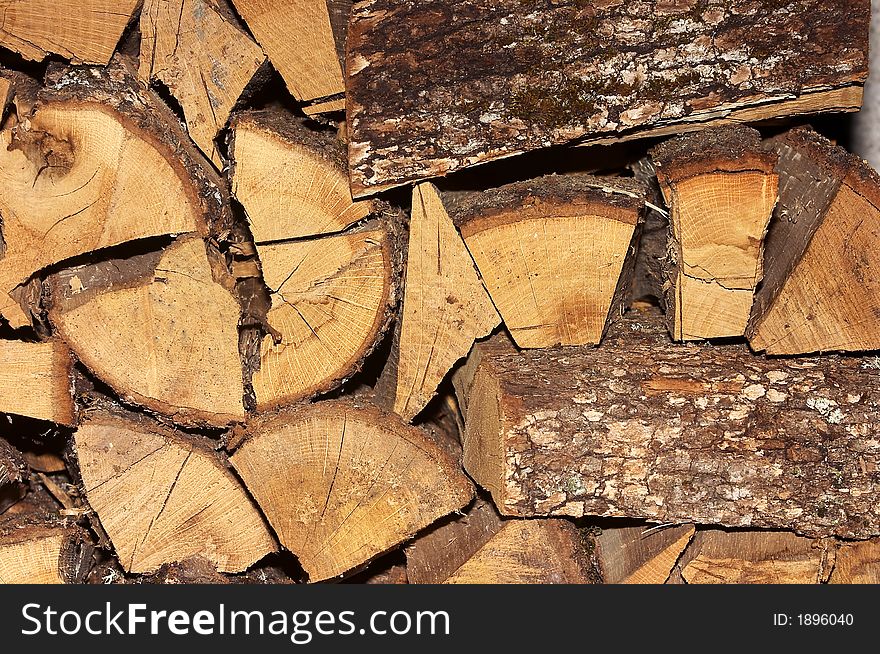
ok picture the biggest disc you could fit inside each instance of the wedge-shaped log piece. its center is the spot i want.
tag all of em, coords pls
(469, 81)
(332, 299)
(752, 557)
(163, 497)
(36, 382)
(552, 251)
(299, 39)
(480, 547)
(641, 554)
(43, 550)
(196, 49)
(84, 31)
(341, 483)
(445, 305)
(291, 180)
(821, 290)
(642, 428)
(857, 563)
(158, 329)
(720, 185)
(94, 166)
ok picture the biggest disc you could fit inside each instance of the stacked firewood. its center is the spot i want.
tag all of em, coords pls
(263, 321)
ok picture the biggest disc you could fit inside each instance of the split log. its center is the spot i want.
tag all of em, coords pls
(198, 51)
(332, 299)
(162, 496)
(652, 251)
(482, 548)
(43, 550)
(291, 180)
(640, 555)
(158, 330)
(642, 428)
(820, 291)
(36, 380)
(720, 186)
(752, 557)
(341, 483)
(299, 39)
(552, 252)
(470, 81)
(857, 563)
(84, 31)
(96, 164)
(445, 305)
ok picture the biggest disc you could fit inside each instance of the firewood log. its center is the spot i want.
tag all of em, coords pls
(642, 428)
(205, 60)
(470, 81)
(36, 380)
(342, 482)
(555, 253)
(36, 549)
(162, 496)
(720, 185)
(820, 291)
(640, 554)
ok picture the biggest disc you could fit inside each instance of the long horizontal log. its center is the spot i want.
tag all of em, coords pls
(472, 81)
(644, 428)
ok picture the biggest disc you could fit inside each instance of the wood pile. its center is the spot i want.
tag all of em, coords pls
(263, 319)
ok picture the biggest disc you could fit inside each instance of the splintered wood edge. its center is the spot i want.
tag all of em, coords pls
(384, 318)
(462, 491)
(846, 99)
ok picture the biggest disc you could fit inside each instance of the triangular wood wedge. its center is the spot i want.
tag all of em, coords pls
(36, 381)
(198, 51)
(641, 554)
(445, 305)
(87, 171)
(162, 496)
(300, 41)
(332, 298)
(291, 180)
(158, 329)
(36, 549)
(479, 547)
(821, 290)
(720, 185)
(551, 252)
(341, 483)
(84, 31)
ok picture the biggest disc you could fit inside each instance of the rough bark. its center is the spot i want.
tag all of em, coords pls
(555, 253)
(642, 428)
(720, 186)
(820, 291)
(471, 81)
(13, 469)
